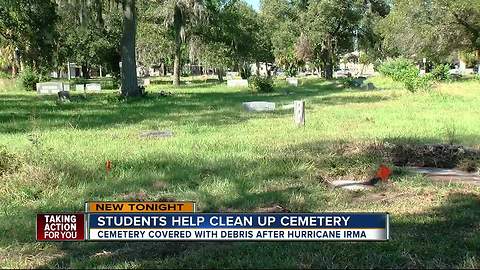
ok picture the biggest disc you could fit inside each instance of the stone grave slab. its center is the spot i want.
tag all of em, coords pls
(230, 75)
(292, 81)
(447, 175)
(146, 82)
(237, 83)
(259, 106)
(79, 87)
(49, 88)
(350, 185)
(156, 134)
(93, 87)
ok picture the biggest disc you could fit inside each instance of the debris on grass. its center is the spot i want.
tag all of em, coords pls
(156, 134)
(276, 208)
(433, 155)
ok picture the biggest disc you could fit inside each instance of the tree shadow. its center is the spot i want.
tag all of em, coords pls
(21, 113)
(441, 237)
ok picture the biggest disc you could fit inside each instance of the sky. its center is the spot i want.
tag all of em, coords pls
(254, 3)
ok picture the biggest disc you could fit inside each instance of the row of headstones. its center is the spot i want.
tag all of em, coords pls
(52, 88)
(244, 83)
(264, 106)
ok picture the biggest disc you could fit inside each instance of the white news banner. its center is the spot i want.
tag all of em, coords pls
(239, 234)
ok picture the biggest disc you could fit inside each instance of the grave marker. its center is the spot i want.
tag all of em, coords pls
(79, 87)
(292, 81)
(93, 87)
(299, 112)
(237, 83)
(259, 106)
(49, 88)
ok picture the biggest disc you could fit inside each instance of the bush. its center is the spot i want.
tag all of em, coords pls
(291, 71)
(29, 79)
(404, 71)
(396, 68)
(441, 72)
(4, 75)
(260, 84)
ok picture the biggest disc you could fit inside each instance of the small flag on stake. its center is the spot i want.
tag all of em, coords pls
(108, 166)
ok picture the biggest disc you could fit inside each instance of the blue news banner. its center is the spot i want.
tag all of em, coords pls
(236, 226)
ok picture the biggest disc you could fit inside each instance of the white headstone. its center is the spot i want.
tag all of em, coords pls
(299, 112)
(231, 75)
(49, 88)
(146, 82)
(259, 106)
(79, 87)
(237, 83)
(93, 87)
(292, 81)
(66, 87)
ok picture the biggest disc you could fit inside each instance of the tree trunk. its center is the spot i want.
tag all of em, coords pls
(329, 69)
(85, 72)
(220, 74)
(178, 43)
(129, 65)
(257, 64)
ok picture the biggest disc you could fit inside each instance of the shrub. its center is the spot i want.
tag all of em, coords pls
(4, 75)
(404, 71)
(291, 71)
(441, 72)
(260, 84)
(28, 79)
(396, 68)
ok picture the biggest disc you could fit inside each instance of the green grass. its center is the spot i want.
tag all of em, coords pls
(227, 159)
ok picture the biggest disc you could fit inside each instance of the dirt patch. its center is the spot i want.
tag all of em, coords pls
(429, 155)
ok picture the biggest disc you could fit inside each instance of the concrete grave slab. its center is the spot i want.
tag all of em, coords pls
(237, 83)
(79, 87)
(49, 88)
(259, 106)
(447, 175)
(350, 185)
(156, 134)
(93, 87)
(292, 81)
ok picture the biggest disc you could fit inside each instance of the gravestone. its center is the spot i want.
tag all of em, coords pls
(350, 185)
(237, 83)
(146, 82)
(231, 75)
(64, 96)
(292, 81)
(358, 82)
(259, 106)
(49, 88)
(93, 87)
(370, 86)
(79, 87)
(156, 134)
(299, 112)
(447, 175)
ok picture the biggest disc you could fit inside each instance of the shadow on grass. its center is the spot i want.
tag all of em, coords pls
(19, 113)
(441, 237)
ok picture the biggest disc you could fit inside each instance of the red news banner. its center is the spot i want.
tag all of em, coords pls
(61, 227)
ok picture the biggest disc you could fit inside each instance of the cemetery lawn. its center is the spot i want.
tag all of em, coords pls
(53, 159)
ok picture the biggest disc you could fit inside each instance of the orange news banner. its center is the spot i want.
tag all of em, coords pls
(139, 207)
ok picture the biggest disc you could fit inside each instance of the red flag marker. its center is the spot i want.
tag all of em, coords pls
(383, 173)
(108, 166)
